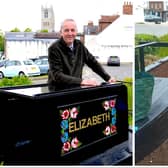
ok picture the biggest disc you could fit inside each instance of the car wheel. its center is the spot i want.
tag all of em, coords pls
(1, 75)
(21, 74)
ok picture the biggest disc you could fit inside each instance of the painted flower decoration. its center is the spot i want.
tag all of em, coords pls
(107, 130)
(68, 143)
(66, 146)
(109, 105)
(106, 105)
(112, 103)
(74, 112)
(64, 137)
(64, 124)
(75, 142)
(113, 111)
(113, 120)
(113, 129)
(65, 114)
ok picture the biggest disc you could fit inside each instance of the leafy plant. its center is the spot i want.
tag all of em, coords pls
(130, 98)
(15, 81)
(146, 38)
(163, 51)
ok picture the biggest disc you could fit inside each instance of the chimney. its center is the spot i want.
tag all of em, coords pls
(90, 23)
(127, 8)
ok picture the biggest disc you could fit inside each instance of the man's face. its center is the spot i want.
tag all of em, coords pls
(69, 32)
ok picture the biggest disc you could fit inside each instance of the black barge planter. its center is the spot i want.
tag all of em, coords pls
(63, 127)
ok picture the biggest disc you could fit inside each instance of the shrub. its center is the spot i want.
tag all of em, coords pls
(130, 98)
(146, 38)
(163, 51)
(15, 81)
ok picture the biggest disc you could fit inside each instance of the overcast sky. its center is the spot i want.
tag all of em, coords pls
(27, 13)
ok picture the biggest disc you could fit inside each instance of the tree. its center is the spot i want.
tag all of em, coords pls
(15, 30)
(163, 51)
(28, 30)
(44, 31)
(1, 41)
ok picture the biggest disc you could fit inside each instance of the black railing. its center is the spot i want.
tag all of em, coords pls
(139, 56)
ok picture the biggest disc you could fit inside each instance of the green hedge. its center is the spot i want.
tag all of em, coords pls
(15, 81)
(160, 52)
(163, 51)
(130, 98)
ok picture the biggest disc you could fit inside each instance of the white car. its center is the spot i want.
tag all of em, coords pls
(13, 68)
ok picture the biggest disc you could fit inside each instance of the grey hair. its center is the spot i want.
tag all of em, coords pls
(62, 24)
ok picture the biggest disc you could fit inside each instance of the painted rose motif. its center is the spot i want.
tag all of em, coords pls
(107, 130)
(74, 112)
(68, 143)
(110, 130)
(109, 105)
(66, 146)
(112, 103)
(65, 114)
(75, 142)
(106, 105)
(113, 129)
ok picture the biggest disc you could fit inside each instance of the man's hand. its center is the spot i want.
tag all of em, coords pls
(89, 82)
(112, 80)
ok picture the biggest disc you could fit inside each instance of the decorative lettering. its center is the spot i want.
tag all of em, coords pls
(72, 122)
(89, 122)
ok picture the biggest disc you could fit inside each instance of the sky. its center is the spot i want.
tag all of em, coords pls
(27, 13)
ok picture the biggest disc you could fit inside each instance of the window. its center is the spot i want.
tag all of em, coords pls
(45, 14)
(17, 63)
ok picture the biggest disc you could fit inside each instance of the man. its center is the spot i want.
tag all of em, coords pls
(67, 57)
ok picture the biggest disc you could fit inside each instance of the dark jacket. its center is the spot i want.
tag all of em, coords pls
(65, 66)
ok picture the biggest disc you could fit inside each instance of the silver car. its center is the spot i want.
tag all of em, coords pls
(113, 60)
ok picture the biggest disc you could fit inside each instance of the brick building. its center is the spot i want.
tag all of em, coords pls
(158, 8)
(106, 20)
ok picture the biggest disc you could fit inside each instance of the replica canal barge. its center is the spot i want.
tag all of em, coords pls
(61, 127)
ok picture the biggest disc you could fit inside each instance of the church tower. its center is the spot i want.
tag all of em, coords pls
(47, 19)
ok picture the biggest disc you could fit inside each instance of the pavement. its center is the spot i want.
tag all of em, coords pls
(151, 28)
(159, 97)
(152, 130)
(159, 100)
(160, 91)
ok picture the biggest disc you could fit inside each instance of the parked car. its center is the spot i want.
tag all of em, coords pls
(43, 56)
(43, 65)
(2, 62)
(153, 18)
(113, 60)
(13, 68)
(97, 57)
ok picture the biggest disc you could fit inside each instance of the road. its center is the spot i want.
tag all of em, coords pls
(119, 72)
(152, 28)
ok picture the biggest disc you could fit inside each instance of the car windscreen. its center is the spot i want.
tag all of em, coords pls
(28, 62)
